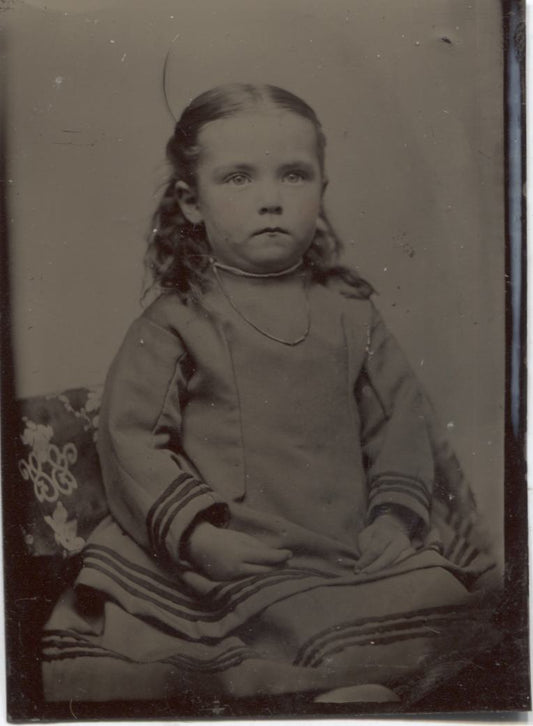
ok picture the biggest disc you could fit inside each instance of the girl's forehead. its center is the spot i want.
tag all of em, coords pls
(271, 132)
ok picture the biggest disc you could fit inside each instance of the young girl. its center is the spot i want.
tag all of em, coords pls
(285, 513)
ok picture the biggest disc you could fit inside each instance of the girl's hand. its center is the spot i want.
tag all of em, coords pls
(223, 554)
(382, 543)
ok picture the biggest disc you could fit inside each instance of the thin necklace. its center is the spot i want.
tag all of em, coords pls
(243, 273)
(250, 322)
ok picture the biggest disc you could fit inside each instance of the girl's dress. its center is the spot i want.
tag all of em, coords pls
(205, 416)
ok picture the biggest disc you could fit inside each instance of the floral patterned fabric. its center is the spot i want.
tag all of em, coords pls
(61, 493)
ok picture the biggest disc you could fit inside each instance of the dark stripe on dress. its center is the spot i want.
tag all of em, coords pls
(177, 497)
(80, 653)
(149, 574)
(314, 641)
(225, 591)
(232, 656)
(126, 582)
(398, 476)
(55, 644)
(411, 487)
(198, 489)
(64, 634)
(398, 488)
(168, 492)
(185, 487)
(121, 565)
(375, 641)
(183, 662)
(372, 635)
(222, 598)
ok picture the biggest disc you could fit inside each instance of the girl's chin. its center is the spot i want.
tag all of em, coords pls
(275, 262)
(264, 264)
(270, 266)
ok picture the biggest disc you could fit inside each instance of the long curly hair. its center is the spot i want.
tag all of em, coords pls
(178, 251)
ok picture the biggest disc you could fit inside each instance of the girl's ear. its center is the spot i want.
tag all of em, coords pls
(188, 202)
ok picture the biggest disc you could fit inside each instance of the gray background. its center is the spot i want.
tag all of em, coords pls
(410, 95)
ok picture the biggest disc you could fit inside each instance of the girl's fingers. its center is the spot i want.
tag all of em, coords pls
(387, 557)
(367, 557)
(266, 556)
(373, 549)
(247, 568)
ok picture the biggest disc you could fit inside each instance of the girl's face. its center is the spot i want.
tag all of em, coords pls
(259, 188)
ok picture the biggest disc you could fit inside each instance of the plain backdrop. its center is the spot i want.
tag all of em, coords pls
(410, 93)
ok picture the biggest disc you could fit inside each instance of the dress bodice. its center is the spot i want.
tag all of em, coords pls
(299, 424)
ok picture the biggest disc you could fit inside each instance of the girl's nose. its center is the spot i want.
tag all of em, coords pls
(270, 199)
(270, 209)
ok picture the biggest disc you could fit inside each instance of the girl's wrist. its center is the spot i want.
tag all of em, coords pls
(393, 521)
(193, 538)
(399, 517)
(216, 517)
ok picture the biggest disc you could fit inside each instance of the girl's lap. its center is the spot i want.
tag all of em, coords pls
(410, 632)
(386, 631)
(381, 631)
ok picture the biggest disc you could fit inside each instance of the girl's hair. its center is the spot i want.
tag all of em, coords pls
(178, 251)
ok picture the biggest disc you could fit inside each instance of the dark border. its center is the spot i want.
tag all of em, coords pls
(498, 682)
(514, 609)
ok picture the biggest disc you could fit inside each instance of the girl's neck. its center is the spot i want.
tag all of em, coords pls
(275, 304)
(255, 275)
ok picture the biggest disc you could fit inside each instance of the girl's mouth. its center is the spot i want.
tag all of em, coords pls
(271, 230)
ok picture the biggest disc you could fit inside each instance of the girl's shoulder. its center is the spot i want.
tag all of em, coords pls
(345, 297)
(168, 311)
(332, 302)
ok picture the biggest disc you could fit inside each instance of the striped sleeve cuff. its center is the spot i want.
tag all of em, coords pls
(174, 511)
(401, 490)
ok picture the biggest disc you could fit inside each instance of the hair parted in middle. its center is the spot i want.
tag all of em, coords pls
(178, 252)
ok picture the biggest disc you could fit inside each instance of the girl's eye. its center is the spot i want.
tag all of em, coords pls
(294, 177)
(238, 179)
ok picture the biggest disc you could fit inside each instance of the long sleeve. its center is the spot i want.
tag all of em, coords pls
(395, 441)
(153, 491)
